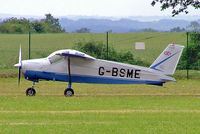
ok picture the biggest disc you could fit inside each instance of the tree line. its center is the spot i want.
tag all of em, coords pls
(194, 26)
(23, 25)
(191, 56)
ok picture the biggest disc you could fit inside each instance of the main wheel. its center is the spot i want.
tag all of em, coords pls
(30, 92)
(69, 92)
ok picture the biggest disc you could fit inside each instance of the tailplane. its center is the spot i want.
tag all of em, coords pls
(168, 59)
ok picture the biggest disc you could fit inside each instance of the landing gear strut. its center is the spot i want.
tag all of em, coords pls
(31, 91)
(69, 91)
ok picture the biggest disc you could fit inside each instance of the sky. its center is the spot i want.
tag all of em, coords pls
(114, 8)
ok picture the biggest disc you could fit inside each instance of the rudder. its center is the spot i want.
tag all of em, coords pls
(168, 59)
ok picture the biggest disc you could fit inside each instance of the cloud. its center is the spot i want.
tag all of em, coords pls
(83, 7)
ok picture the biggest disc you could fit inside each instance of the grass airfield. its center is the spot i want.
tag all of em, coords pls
(140, 109)
(96, 109)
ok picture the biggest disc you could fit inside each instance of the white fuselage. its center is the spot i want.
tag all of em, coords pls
(91, 71)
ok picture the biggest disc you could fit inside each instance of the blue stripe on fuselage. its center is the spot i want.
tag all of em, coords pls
(36, 75)
(154, 67)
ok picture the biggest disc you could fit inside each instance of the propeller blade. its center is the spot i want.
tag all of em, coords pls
(19, 65)
(19, 75)
(20, 55)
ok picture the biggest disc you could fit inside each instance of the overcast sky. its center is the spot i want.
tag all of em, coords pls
(115, 8)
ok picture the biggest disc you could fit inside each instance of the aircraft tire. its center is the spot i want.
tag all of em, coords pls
(30, 92)
(69, 92)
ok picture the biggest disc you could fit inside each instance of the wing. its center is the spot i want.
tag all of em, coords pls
(74, 53)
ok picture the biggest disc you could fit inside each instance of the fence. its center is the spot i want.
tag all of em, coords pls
(192, 55)
(155, 43)
(189, 64)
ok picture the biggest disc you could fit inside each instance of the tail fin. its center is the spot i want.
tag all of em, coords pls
(168, 59)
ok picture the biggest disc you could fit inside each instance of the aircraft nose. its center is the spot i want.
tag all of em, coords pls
(17, 65)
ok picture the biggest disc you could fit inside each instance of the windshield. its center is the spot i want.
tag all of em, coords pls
(54, 58)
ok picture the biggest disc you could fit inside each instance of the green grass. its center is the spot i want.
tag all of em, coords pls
(142, 109)
(44, 44)
(181, 74)
(138, 109)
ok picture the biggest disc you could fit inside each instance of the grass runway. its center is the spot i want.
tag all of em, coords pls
(97, 109)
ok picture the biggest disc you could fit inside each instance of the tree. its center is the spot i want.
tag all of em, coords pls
(53, 23)
(148, 30)
(193, 52)
(83, 30)
(194, 26)
(178, 6)
(22, 25)
(177, 29)
(14, 25)
(39, 27)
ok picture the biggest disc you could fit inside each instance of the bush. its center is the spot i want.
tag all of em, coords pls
(14, 25)
(193, 52)
(98, 50)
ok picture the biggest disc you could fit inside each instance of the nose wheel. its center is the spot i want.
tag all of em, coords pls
(31, 91)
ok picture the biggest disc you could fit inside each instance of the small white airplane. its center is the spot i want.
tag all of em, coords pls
(74, 66)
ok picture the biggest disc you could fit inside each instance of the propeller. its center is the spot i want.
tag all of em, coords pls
(19, 65)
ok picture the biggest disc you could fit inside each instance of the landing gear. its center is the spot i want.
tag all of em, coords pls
(69, 92)
(31, 91)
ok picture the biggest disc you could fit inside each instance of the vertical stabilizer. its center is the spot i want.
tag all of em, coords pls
(168, 59)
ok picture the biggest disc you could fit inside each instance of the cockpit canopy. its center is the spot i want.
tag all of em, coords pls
(58, 55)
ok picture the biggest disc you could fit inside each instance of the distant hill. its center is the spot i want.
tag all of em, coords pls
(100, 24)
(120, 26)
